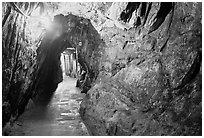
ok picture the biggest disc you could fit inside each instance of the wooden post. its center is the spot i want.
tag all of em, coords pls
(71, 64)
(76, 63)
(68, 64)
(64, 63)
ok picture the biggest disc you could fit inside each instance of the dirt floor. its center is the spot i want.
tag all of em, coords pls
(60, 118)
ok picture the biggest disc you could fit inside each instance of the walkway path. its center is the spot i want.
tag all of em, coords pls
(59, 118)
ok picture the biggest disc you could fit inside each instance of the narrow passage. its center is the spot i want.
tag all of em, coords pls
(60, 118)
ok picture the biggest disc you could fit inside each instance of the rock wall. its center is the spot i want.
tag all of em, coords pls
(18, 59)
(150, 78)
(143, 65)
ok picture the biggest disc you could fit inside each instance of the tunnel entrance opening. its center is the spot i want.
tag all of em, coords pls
(67, 49)
(69, 64)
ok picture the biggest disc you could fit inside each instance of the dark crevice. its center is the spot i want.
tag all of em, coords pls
(6, 16)
(164, 45)
(143, 9)
(147, 13)
(193, 71)
(164, 10)
(127, 14)
(138, 22)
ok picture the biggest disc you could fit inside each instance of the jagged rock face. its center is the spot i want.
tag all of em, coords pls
(144, 69)
(149, 84)
(18, 60)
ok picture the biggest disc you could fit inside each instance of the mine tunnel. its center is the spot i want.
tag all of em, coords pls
(101, 68)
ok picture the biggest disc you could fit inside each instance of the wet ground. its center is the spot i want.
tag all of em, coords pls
(59, 118)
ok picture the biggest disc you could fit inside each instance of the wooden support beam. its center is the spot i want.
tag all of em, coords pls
(76, 64)
(64, 62)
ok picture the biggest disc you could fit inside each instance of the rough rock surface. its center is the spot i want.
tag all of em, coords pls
(150, 84)
(18, 60)
(143, 71)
